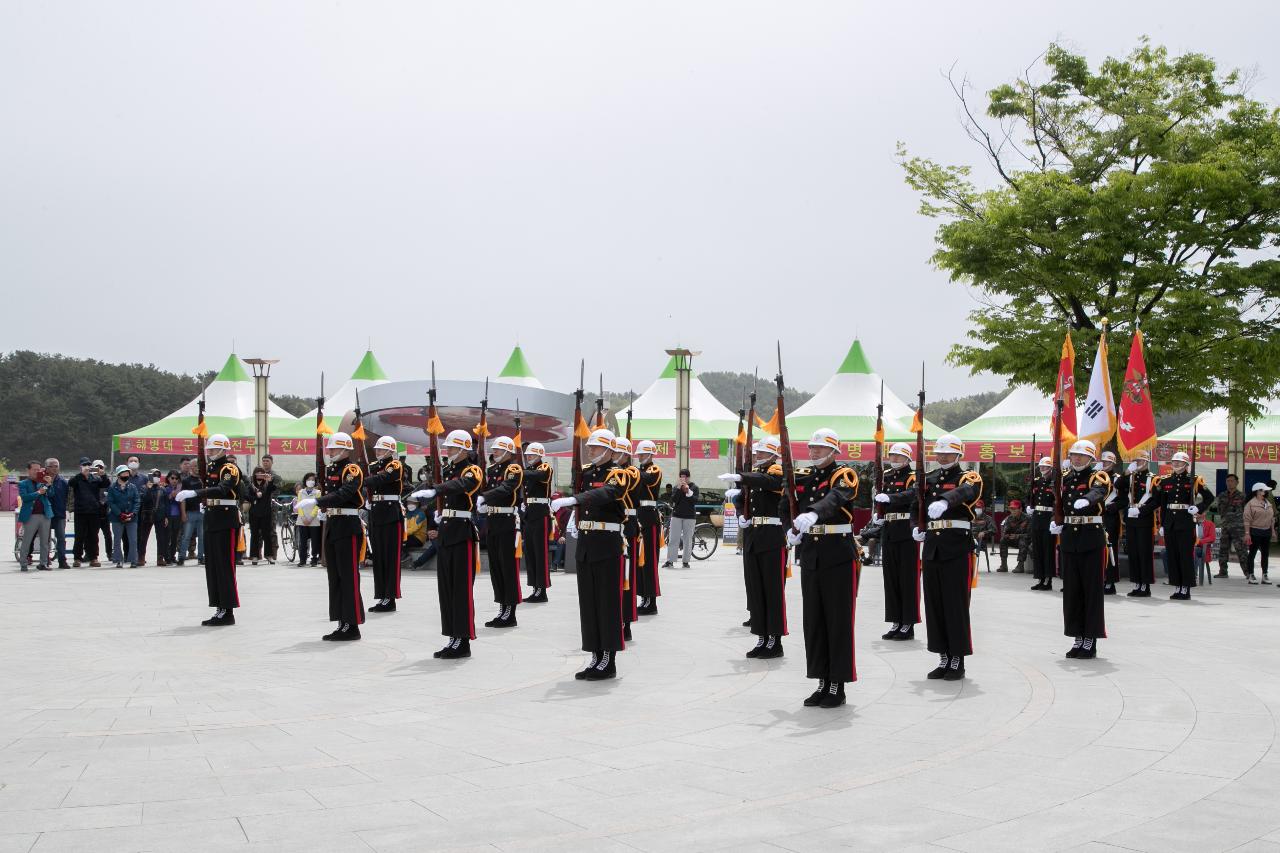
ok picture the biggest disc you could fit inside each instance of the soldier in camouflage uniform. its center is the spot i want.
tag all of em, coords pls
(1230, 506)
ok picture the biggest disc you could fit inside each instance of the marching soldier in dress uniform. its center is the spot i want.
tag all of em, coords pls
(1044, 556)
(900, 554)
(630, 532)
(764, 546)
(598, 529)
(535, 525)
(456, 557)
(221, 494)
(343, 536)
(947, 555)
(1178, 498)
(387, 481)
(500, 502)
(646, 494)
(1084, 550)
(823, 533)
(1134, 495)
(1111, 521)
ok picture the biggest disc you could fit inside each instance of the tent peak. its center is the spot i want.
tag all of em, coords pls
(232, 370)
(369, 368)
(669, 372)
(517, 365)
(855, 361)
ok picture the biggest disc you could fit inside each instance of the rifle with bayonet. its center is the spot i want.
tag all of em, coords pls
(879, 477)
(319, 461)
(600, 405)
(751, 423)
(434, 428)
(357, 436)
(482, 429)
(784, 436)
(922, 511)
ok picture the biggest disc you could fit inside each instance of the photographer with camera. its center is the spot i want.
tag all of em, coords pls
(86, 511)
(58, 494)
(35, 515)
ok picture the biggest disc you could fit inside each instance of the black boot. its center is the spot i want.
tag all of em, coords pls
(446, 648)
(347, 633)
(605, 669)
(1074, 651)
(222, 617)
(1109, 589)
(772, 648)
(1039, 585)
(892, 633)
(508, 619)
(941, 669)
(815, 698)
(582, 674)
(531, 598)
(459, 648)
(1089, 649)
(626, 631)
(906, 632)
(755, 653)
(834, 697)
(955, 670)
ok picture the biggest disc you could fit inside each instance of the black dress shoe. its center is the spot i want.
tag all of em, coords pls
(954, 673)
(227, 618)
(1110, 589)
(909, 634)
(352, 633)
(332, 635)
(440, 653)
(626, 631)
(746, 624)
(1073, 652)
(531, 598)
(494, 622)
(833, 700)
(767, 653)
(377, 608)
(648, 610)
(891, 634)
(756, 652)
(936, 673)
(609, 671)
(462, 651)
(1039, 585)
(815, 698)
(581, 674)
(1089, 654)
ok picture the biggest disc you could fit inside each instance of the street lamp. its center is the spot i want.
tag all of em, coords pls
(261, 372)
(684, 374)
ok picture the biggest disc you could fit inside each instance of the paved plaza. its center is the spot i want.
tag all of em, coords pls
(124, 726)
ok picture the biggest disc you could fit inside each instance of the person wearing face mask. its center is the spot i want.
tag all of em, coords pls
(764, 546)
(900, 556)
(499, 502)
(535, 524)
(648, 586)
(822, 533)
(1083, 546)
(1111, 521)
(456, 541)
(1135, 490)
(949, 568)
(306, 523)
(387, 481)
(1044, 556)
(221, 527)
(598, 527)
(261, 517)
(983, 530)
(123, 502)
(151, 491)
(344, 537)
(1179, 500)
(84, 489)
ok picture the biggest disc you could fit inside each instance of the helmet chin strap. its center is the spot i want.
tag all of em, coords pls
(897, 465)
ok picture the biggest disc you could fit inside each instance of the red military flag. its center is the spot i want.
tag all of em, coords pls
(1065, 390)
(1137, 422)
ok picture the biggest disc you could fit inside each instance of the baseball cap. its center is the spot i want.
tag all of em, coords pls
(84, 460)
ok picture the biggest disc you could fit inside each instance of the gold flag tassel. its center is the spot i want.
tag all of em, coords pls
(519, 545)
(973, 571)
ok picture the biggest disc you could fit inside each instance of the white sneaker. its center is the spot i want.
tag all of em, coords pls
(1253, 580)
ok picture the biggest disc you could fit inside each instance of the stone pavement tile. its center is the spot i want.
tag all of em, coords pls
(212, 808)
(1145, 734)
(466, 803)
(1213, 758)
(31, 795)
(145, 768)
(1050, 741)
(1152, 793)
(641, 809)
(1258, 845)
(1054, 828)
(117, 791)
(84, 817)
(17, 843)
(269, 827)
(1207, 825)
(267, 779)
(1257, 788)
(533, 773)
(870, 800)
(1014, 796)
(200, 835)
(889, 830)
(421, 789)
(497, 827)
(578, 843)
(1174, 707)
(1101, 765)
(726, 831)
(1241, 728)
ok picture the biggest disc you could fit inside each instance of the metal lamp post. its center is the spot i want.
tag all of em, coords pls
(261, 373)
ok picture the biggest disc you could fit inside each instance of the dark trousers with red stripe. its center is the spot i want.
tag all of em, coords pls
(504, 568)
(901, 581)
(220, 568)
(630, 582)
(385, 544)
(455, 572)
(1083, 583)
(1180, 547)
(536, 535)
(600, 600)
(1044, 546)
(1140, 545)
(766, 574)
(946, 605)
(342, 564)
(830, 593)
(1111, 523)
(647, 583)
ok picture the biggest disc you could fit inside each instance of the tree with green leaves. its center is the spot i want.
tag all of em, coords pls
(1145, 191)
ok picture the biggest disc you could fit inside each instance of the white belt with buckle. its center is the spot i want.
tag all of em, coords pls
(948, 525)
(386, 497)
(537, 500)
(1043, 508)
(1176, 506)
(1083, 519)
(501, 510)
(648, 503)
(830, 529)
(342, 510)
(221, 502)
(600, 525)
(897, 516)
(760, 521)
(455, 513)
(630, 511)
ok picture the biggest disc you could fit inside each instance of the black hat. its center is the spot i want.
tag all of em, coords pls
(85, 460)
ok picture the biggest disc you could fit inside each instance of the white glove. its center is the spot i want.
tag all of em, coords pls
(805, 520)
(185, 495)
(730, 494)
(1133, 512)
(937, 508)
(481, 506)
(793, 538)
(1193, 509)
(917, 534)
(572, 527)
(882, 498)
(1054, 528)
(1031, 510)
(1131, 468)
(424, 494)
(1080, 503)
(1161, 531)
(437, 516)
(560, 503)
(731, 478)
(306, 504)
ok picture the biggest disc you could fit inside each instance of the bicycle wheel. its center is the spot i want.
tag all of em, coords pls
(287, 547)
(706, 537)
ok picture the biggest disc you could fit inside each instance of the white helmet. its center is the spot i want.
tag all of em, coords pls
(458, 439)
(1045, 462)
(769, 444)
(601, 438)
(385, 443)
(1108, 456)
(621, 445)
(1085, 447)
(901, 448)
(504, 444)
(213, 443)
(1144, 455)
(1180, 456)
(339, 441)
(948, 443)
(825, 438)
(535, 448)
(645, 447)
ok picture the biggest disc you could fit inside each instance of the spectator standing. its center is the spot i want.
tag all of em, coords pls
(123, 502)
(104, 523)
(35, 515)
(1259, 527)
(1013, 531)
(59, 493)
(684, 514)
(1231, 530)
(193, 515)
(167, 519)
(306, 522)
(269, 465)
(261, 505)
(151, 490)
(84, 491)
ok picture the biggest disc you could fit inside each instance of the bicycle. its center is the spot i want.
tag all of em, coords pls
(706, 538)
(284, 524)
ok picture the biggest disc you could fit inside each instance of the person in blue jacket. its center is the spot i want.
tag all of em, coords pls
(123, 502)
(35, 515)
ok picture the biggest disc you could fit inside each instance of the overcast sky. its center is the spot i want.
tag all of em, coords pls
(593, 179)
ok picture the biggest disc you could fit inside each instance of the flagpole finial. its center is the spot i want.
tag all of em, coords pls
(1104, 322)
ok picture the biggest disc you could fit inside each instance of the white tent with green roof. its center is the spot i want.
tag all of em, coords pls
(654, 411)
(847, 404)
(1211, 428)
(367, 373)
(229, 402)
(518, 372)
